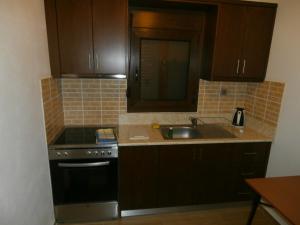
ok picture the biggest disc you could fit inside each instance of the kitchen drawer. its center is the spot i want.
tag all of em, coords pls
(253, 154)
(243, 191)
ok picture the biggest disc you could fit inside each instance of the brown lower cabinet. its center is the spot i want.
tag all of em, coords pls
(138, 177)
(178, 175)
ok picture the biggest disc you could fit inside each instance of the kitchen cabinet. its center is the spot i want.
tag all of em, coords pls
(175, 179)
(253, 158)
(87, 37)
(138, 177)
(75, 36)
(214, 173)
(242, 42)
(178, 175)
(109, 23)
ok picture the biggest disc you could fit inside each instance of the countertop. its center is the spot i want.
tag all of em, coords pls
(155, 138)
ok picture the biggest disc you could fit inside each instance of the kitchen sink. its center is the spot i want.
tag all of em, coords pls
(204, 131)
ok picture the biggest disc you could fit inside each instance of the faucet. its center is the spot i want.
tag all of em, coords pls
(194, 121)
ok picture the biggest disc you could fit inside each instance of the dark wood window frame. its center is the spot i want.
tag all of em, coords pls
(189, 104)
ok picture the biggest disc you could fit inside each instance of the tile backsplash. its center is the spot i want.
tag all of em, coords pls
(93, 101)
(220, 97)
(103, 102)
(263, 101)
(53, 107)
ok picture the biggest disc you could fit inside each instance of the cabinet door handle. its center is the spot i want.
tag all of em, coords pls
(97, 62)
(247, 174)
(244, 66)
(244, 193)
(136, 75)
(238, 67)
(250, 153)
(90, 61)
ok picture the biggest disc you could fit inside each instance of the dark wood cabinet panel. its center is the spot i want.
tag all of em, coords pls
(138, 177)
(214, 173)
(109, 27)
(74, 22)
(255, 154)
(52, 34)
(242, 42)
(228, 43)
(87, 37)
(176, 175)
(253, 159)
(257, 42)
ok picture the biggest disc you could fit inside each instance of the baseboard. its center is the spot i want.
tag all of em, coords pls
(143, 212)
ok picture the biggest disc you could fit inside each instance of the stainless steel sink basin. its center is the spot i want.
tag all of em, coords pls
(205, 131)
(180, 132)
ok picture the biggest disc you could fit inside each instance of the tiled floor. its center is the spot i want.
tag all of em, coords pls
(224, 216)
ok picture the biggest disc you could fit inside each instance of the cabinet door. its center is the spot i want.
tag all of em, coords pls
(228, 43)
(175, 175)
(215, 173)
(257, 42)
(253, 160)
(138, 177)
(74, 21)
(109, 24)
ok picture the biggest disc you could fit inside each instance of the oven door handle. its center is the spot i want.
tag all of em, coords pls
(82, 165)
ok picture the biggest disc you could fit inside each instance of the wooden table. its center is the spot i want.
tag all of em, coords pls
(281, 193)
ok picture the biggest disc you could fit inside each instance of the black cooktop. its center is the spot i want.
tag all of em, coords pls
(77, 135)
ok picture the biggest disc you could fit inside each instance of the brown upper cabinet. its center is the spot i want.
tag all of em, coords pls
(87, 37)
(243, 35)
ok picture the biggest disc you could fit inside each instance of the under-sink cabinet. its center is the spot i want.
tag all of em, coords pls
(179, 175)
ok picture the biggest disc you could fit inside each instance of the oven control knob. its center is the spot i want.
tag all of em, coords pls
(89, 152)
(102, 153)
(95, 152)
(58, 154)
(66, 153)
(109, 152)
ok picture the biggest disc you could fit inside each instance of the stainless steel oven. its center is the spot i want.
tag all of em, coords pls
(84, 181)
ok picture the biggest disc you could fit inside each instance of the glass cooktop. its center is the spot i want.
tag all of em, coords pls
(77, 136)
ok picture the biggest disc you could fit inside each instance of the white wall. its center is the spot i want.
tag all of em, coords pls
(25, 191)
(284, 65)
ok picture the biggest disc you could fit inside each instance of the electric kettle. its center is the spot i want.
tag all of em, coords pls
(238, 118)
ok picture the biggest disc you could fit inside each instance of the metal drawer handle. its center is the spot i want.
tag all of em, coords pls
(244, 193)
(250, 153)
(97, 62)
(248, 174)
(90, 61)
(82, 165)
(238, 67)
(244, 66)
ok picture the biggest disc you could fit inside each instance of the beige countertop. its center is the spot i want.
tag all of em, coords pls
(155, 138)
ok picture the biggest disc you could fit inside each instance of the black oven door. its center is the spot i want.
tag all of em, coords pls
(84, 181)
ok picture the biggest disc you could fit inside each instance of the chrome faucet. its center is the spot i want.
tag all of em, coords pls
(194, 121)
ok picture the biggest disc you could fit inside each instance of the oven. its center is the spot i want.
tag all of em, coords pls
(84, 182)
